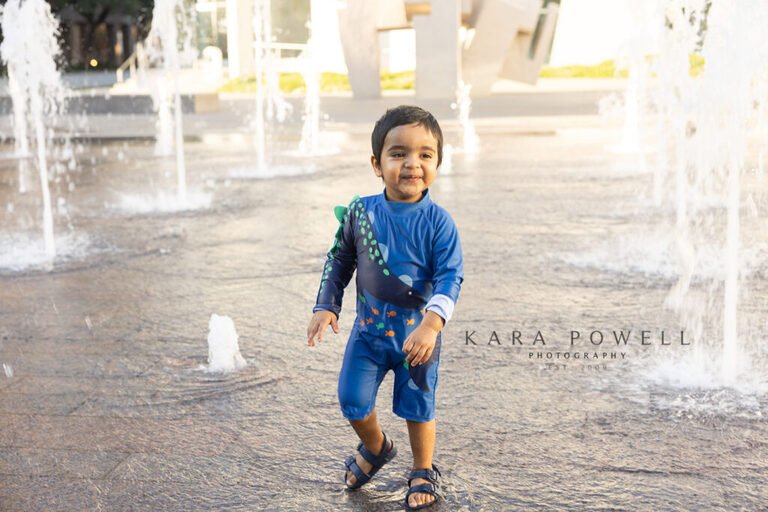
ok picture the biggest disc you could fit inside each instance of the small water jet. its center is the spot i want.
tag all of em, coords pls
(446, 167)
(310, 133)
(166, 37)
(643, 38)
(30, 49)
(261, 30)
(20, 138)
(470, 142)
(277, 108)
(223, 347)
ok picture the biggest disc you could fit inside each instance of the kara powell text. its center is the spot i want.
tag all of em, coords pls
(594, 338)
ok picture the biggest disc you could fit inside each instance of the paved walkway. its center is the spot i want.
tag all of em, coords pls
(108, 407)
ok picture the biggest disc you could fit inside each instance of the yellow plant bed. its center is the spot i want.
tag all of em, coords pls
(329, 82)
(405, 80)
(697, 64)
(607, 69)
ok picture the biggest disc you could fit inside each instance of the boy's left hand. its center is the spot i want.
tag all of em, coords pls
(421, 342)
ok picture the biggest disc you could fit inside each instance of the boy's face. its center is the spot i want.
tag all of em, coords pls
(408, 162)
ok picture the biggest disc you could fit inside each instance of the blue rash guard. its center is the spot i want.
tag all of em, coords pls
(408, 260)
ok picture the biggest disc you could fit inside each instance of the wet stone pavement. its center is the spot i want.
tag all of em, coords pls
(106, 404)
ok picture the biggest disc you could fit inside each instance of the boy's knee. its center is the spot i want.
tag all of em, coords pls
(354, 405)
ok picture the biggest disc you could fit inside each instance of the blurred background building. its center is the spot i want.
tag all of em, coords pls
(490, 39)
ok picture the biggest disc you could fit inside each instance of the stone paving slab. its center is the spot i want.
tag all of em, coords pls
(118, 416)
(237, 113)
(59, 493)
(137, 434)
(38, 463)
(59, 404)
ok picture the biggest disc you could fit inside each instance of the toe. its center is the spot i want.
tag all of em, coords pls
(419, 498)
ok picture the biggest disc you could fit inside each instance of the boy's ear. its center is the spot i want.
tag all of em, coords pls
(375, 165)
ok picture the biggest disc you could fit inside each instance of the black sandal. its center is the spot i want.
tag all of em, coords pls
(433, 487)
(377, 461)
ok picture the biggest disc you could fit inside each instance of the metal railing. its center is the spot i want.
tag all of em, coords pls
(131, 63)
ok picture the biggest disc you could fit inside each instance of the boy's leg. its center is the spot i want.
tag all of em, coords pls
(422, 436)
(361, 374)
(414, 400)
(369, 432)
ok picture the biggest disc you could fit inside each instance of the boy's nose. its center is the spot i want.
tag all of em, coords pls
(411, 162)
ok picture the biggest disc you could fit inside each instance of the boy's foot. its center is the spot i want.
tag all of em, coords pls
(423, 488)
(366, 466)
(420, 498)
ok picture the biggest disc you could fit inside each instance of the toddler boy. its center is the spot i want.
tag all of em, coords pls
(409, 272)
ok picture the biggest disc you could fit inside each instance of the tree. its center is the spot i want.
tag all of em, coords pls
(97, 11)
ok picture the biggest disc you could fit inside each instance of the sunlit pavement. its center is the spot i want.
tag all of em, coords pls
(106, 404)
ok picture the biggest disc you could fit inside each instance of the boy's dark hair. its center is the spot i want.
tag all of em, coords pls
(404, 115)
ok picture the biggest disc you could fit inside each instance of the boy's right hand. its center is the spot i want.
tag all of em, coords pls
(320, 320)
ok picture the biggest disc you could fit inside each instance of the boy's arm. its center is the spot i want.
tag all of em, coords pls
(339, 266)
(449, 269)
(446, 283)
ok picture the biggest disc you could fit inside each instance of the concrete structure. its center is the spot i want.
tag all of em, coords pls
(530, 50)
(240, 38)
(358, 27)
(511, 40)
(438, 49)
(475, 41)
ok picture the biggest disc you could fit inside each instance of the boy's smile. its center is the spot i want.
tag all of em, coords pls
(408, 162)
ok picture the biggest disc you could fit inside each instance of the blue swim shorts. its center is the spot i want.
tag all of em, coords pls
(367, 360)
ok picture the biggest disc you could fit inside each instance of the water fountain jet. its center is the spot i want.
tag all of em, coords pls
(470, 142)
(30, 49)
(710, 119)
(223, 346)
(167, 15)
(261, 29)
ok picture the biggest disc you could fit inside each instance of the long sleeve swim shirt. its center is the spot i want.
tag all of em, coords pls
(408, 260)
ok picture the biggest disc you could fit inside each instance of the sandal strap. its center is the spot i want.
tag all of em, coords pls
(433, 475)
(422, 489)
(377, 461)
(360, 477)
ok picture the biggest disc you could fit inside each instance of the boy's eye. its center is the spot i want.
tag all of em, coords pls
(426, 155)
(397, 155)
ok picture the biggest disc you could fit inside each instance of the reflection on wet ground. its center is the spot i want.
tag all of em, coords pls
(108, 406)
